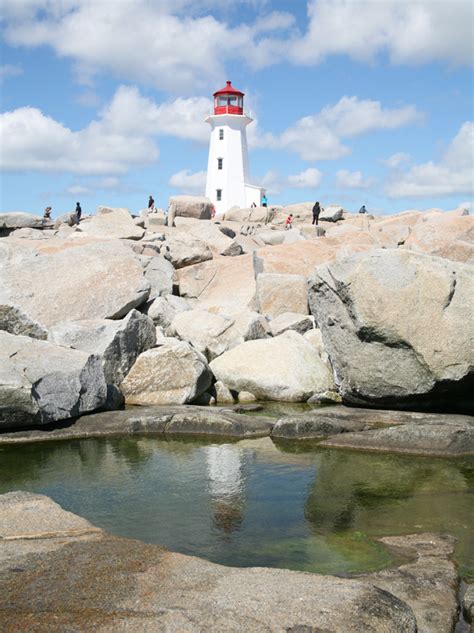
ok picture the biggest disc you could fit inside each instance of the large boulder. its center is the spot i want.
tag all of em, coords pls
(213, 334)
(112, 223)
(398, 328)
(19, 220)
(185, 250)
(174, 373)
(41, 382)
(197, 207)
(251, 214)
(226, 283)
(159, 272)
(15, 321)
(277, 294)
(118, 343)
(211, 234)
(285, 368)
(61, 280)
(332, 213)
(163, 309)
(445, 235)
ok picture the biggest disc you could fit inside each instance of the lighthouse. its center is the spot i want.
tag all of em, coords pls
(228, 165)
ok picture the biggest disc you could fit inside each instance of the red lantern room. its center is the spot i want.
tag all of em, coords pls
(228, 100)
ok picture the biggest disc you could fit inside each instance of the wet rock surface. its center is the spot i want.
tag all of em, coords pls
(120, 584)
(184, 419)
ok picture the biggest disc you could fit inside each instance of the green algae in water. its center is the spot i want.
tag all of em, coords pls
(251, 503)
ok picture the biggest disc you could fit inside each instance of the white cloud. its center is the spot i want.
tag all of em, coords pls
(412, 32)
(120, 137)
(308, 179)
(319, 136)
(188, 182)
(353, 179)
(453, 174)
(275, 183)
(396, 160)
(33, 141)
(9, 70)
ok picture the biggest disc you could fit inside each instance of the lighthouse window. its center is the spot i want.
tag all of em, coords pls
(221, 135)
(219, 163)
(233, 100)
(218, 195)
(223, 100)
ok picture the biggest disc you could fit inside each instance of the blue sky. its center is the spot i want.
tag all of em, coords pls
(355, 101)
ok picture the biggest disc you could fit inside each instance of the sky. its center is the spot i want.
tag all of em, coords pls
(354, 101)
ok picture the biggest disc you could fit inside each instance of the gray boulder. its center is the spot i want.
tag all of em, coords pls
(213, 334)
(15, 321)
(19, 220)
(112, 223)
(41, 382)
(75, 280)
(285, 368)
(185, 250)
(67, 219)
(174, 373)
(300, 323)
(332, 213)
(118, 343)
(197, 207)
(398, 328)
(159, 272)
(165, 308)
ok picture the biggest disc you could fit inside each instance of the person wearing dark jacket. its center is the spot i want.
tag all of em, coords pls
(78, 212)
(316, 212)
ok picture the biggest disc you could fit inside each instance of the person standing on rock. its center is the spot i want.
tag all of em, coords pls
(47, 213)
(289, 222)
(264, 200)
(316, 212)
(78, 212)
(151, 203)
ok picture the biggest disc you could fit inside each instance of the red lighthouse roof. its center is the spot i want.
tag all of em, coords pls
(229, 89)
(228, 100)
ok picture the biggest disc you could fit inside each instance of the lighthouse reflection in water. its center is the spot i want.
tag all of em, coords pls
(226, 486)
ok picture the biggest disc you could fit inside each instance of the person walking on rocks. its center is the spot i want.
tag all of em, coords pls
(316, 212)
(151, 203)
(47, 213)
(289, 222)
(264, 200)
(78, 212)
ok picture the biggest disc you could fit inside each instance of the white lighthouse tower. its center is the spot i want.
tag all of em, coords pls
(228, 166)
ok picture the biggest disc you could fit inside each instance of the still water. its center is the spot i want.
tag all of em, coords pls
(252, 502)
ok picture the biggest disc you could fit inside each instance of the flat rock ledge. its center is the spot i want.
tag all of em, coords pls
(61, 573)
(179, 419)
(332, 427)
(381, 430)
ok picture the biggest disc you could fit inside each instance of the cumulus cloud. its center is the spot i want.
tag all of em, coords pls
(308, 179)
(410, 32)
(353, 179)
(396, 160)
(319, 136)
(188, 182)
(453, 174)
(275, 183)
(121, 136)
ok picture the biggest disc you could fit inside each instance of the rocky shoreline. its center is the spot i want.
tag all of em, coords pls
(332, 426)
(120, 584)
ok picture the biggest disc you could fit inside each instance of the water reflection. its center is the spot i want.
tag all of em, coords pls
(226, 485)
(250, 502)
